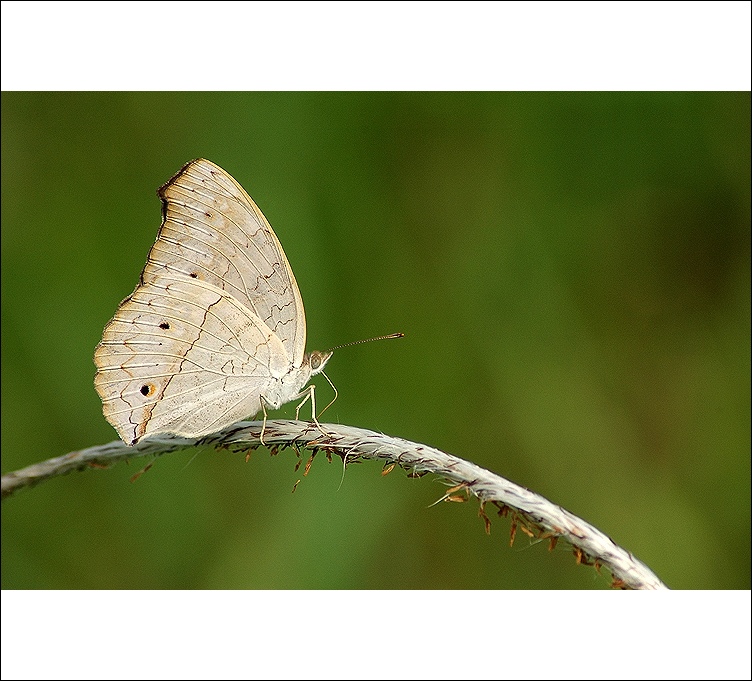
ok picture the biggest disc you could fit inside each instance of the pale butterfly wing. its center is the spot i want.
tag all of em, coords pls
(176, 359)
(212, 230)
(216, 323)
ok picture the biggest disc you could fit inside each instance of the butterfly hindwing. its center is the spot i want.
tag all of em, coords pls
(182, 356)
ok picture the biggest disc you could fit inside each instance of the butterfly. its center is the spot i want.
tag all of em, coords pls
(215, 330)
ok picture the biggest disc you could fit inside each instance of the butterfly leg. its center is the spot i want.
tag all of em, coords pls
(263, 425)
(307, 394)
(310, 394)
(336, 394)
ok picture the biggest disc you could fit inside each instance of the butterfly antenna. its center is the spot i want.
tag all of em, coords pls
(367, 340)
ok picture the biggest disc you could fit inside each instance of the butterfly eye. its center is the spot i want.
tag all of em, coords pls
(315, 362)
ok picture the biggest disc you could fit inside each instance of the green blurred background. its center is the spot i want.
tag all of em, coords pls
(571, 271)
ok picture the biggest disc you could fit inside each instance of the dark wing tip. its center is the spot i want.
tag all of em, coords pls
(161, 191)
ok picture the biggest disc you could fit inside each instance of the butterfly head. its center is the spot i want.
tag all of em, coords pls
(317, 360)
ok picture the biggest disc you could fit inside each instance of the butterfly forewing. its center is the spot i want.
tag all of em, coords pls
(212, 230)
